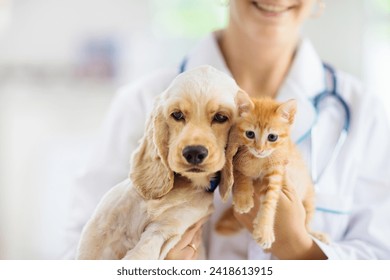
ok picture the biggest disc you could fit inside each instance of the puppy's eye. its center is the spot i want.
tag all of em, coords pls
(178, 116)
(272, 137)
(220, 118)
(250, 134)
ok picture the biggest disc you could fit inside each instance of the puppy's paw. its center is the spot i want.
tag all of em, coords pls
(264, 236)
(243, 203)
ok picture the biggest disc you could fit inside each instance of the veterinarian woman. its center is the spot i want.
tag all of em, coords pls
(262, 49)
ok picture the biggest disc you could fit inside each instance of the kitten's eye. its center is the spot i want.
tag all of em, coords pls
(220, 118)
(178, 116)
(272, 137)
(250, 134)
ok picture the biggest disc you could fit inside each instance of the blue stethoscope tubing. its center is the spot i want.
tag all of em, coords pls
(329, 92)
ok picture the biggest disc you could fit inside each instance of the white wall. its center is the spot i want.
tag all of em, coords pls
(46, 31)
(45, 136)
(338, 34)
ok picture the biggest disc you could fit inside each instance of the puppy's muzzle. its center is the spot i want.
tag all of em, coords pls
(195, 154)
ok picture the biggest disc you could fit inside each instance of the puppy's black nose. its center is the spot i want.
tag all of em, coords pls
(195, 154)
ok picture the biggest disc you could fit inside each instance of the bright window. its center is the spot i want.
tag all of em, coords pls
(377, 50)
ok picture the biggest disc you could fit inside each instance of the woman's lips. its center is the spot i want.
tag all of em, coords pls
(270, 9)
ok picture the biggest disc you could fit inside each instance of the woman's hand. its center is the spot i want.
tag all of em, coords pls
(292, 241)
(188, 247)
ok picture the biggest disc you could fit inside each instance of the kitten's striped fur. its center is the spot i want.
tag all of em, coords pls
(265, 160)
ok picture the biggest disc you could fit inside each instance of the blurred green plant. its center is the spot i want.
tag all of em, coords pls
(380, 22)
(188, 18)
(383, 6)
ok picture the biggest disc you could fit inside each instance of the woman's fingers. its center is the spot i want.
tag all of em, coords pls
(191, 249)
(187, 247)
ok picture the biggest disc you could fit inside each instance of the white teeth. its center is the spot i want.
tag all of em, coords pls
(270, 8)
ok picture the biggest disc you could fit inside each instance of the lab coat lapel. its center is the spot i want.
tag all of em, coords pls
(304, 80)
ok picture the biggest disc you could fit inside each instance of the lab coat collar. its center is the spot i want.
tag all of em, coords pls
(306, 72)
(304, 80)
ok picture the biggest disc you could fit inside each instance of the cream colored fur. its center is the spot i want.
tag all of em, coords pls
(146, 215)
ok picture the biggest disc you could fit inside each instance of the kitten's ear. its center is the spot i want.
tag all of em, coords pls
(287, 110)
(243, 102)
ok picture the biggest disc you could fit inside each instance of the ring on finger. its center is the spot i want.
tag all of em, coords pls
(193, 247)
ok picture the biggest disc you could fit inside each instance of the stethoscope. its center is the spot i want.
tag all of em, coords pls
(329, 93)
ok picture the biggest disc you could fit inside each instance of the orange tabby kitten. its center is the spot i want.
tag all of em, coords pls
(263, 153)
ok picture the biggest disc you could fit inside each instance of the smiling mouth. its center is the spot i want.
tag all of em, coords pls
(269, 8)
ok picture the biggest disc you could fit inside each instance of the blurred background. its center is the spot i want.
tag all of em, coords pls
(61, 62)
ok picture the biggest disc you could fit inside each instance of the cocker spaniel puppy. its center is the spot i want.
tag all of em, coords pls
(182, 150)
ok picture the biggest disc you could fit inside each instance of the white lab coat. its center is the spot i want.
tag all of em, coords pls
(353, 199)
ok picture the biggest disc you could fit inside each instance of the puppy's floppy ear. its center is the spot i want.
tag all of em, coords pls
(244, 104)
(150, 172)
(227, 179)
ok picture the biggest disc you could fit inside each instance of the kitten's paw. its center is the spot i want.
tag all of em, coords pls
(264, 236)
(243, 203)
